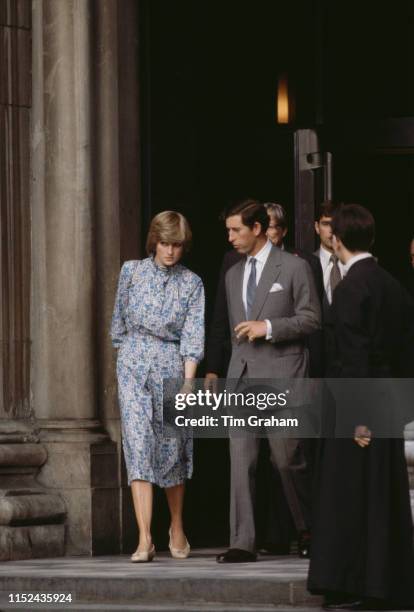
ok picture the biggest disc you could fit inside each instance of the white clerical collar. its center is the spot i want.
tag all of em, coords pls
(354, 259)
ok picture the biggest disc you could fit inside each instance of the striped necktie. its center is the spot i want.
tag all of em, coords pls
(335, 276)
(251, 287)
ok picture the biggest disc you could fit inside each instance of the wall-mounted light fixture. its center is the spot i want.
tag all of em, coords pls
(282, 100)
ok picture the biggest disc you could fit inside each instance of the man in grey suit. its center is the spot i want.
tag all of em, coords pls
(332, 271)
(273, 305)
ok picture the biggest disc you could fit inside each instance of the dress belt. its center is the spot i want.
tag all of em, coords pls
(146, 335)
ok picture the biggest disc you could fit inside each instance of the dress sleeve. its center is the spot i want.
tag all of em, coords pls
(118, 327)
(192, 335)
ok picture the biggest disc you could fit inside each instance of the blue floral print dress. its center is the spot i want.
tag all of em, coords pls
(157, 324)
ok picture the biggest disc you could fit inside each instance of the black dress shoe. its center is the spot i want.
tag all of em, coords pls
(269, 549)
(341, 601)
(358, 604)
(236, 555)
(353, 602)
(304, 542)
(371, 603)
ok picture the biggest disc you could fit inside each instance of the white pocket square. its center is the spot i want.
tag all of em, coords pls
(275, 287)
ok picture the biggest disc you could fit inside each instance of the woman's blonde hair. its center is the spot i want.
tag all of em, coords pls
(168, 226)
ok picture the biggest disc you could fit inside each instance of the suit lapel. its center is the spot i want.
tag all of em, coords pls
(269, 275)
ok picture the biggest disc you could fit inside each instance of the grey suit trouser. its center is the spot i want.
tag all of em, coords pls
(286, 456)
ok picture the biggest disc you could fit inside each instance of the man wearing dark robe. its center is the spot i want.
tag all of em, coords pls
(362, 539)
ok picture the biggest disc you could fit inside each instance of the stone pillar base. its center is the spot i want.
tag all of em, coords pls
(31, 541)
(82, 468)
(30, 518)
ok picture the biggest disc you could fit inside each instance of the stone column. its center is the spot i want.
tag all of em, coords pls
(31, 518)
(82, 461)
(116, 168)
(15, 102)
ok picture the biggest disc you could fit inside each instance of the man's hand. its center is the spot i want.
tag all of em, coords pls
(210, 382)
(362, 435)
(251, 329)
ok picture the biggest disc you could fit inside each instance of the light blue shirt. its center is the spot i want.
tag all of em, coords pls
(261, 259)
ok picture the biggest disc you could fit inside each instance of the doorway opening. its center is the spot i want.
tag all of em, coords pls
(210, 75)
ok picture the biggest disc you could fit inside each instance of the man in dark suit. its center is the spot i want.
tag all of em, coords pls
(276, 528)
(409, 277)
(332, 267)
(362, 546)
(332, 271)
(268, 332)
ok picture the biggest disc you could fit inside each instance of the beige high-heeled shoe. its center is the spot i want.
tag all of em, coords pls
(143, 557)
(179, 553)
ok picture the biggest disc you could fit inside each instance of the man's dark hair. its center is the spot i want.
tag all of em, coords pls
(251, 212)
(326, 209)
(354, 225)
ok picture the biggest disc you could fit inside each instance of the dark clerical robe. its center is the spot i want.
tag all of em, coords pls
(362, 538)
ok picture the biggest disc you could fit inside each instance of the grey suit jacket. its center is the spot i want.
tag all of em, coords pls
(293, 310)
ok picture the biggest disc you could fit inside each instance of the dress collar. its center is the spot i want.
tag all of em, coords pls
(162, 269)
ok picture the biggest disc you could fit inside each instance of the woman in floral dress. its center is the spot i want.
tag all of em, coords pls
(158, 329)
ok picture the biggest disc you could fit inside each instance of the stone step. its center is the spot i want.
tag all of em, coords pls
(214, 607)
(163, 607)
(159, 607)
(196, 583)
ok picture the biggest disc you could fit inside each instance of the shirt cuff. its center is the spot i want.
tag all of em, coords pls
(268, 329)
